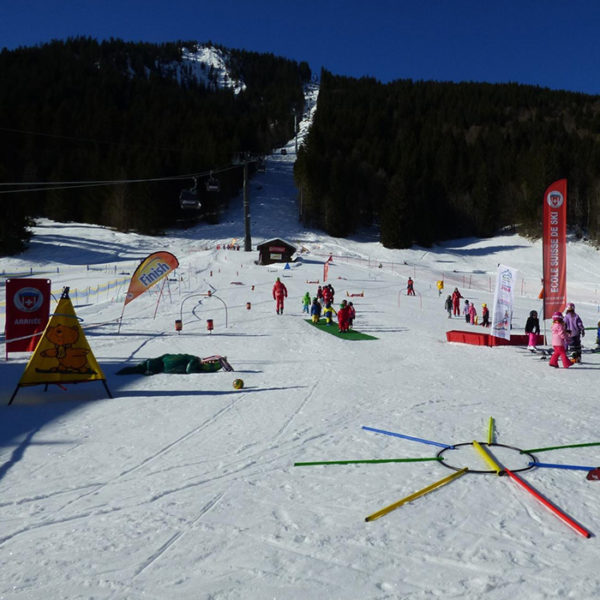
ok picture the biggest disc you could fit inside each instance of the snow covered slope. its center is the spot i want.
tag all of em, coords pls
(183, 487)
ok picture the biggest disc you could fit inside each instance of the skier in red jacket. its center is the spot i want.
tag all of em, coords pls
(456, 296)
(343, 315)
(279, 293)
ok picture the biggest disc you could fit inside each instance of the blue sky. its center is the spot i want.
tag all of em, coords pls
(551, 43)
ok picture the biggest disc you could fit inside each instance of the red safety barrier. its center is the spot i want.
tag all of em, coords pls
(486, 339)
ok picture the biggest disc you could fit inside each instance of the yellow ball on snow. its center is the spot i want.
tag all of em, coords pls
(238, 384)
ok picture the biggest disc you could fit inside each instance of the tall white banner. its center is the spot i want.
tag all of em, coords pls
(504, 296)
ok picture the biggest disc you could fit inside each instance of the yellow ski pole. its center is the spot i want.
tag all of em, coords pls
(426, 490)
(488, 458)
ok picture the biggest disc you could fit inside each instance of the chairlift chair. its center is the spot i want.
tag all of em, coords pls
(188, 199)
(212, 184)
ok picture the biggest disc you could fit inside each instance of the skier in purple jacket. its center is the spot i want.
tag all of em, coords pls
(576, 331)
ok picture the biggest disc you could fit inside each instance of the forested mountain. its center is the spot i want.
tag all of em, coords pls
(82, 110)
(430, 161)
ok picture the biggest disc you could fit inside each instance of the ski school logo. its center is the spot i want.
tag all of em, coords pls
(555, 199)
(28, 299)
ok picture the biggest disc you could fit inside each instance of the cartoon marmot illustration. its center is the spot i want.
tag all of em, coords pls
(70, 360)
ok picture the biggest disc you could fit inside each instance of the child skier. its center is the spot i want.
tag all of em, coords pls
(351, 314)
(472, 313)
(576, 331)
(559, 337)
(466, 311)
(315, 310)
(532, 329)
(328, 313)
(342, 315)
(306, 303)
(485, 315)
(448, 305)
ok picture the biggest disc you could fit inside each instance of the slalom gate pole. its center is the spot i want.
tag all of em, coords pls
(557, 511)
(372, 461)
(426, 490)
(407, 437)
(487, 457)
(532, 450)
(553, 466)
(491, 431)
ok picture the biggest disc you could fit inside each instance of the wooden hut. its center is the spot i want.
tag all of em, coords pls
(275, 251)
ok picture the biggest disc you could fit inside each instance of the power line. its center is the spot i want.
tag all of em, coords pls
(66, 185)
(89, 140)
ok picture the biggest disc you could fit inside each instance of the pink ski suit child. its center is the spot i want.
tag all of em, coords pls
(559, 337)
(472, 313)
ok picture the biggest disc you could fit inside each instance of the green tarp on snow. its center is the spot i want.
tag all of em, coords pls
(352, 334)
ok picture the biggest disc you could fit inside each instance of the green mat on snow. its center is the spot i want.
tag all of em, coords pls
(333, 330)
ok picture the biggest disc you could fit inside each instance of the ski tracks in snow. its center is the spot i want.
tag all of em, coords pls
(177, 536)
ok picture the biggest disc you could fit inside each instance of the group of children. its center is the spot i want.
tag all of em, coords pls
(345, 313)
(567, 332)
(452, 306)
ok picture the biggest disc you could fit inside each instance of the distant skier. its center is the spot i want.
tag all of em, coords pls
(485, 315)
(351, 314)
(410, 287)
(279, 293)
(306, 303)
(532, 329)
(575, 330)
(315, 310)
(440, 286)
(343, 317)
(559, 337)
(328, 313)
(472, 314)
(466, 311)
(456, 296)
(448, 305)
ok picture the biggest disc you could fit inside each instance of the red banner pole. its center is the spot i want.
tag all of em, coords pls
(554, 247)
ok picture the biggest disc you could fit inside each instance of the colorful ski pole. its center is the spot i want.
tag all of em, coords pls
(407, 437)
(491, 431)
(557, 511)
(488, 458)
(356, 462)
(426, 490)
(531, 450)
(554, 466)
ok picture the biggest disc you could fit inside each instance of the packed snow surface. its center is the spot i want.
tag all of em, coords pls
(181, 486)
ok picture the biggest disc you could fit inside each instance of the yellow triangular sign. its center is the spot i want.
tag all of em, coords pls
(63, 354)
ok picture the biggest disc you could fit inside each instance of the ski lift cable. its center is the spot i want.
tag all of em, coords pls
(64, 185)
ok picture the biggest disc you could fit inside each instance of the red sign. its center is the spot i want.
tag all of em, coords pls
(27, 310)
(554, 239)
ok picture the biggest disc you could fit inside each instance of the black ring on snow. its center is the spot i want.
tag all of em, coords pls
(441, 457)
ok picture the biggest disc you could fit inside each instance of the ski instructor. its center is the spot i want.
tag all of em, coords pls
(279, 293)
